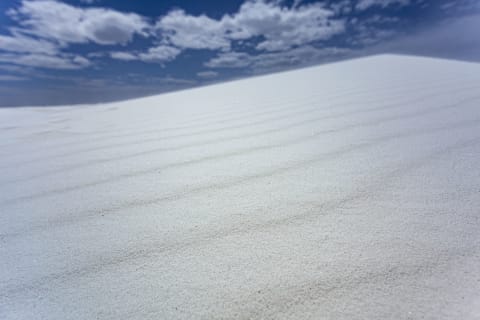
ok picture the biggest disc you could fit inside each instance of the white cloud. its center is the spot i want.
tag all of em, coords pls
(161, 53)
(274, 32)
(63, 61)
(194, 32)
(207, 74)
(46, 28)
(366, 4)
(342, 6)
(20, 43)
(230, 60)
(56, 21)
(281, 27)
(125, 56)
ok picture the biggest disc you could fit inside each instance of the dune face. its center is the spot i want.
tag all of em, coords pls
(344, 191)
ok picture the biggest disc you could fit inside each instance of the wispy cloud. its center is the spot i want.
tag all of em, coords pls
(159, 54)
(11, 78)
(207, 74)
(267, 61)
(63, 61)
(366, 4)
(23, 44)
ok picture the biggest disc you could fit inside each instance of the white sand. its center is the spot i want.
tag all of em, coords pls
(345, 191)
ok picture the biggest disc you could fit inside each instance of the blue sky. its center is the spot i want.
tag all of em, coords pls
(83, 51)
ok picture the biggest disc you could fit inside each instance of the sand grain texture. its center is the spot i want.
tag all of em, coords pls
(343, 191)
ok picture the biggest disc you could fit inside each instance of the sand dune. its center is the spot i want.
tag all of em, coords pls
(344, 191)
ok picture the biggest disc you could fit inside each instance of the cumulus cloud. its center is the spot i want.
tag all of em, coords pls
(260, 34)
(281, 27)
(46, 28)
(193, 32)
(57, 21)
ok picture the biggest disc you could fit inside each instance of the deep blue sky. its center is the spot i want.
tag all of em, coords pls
(81, 51)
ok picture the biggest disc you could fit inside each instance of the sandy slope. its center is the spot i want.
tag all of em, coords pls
(345, 191)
